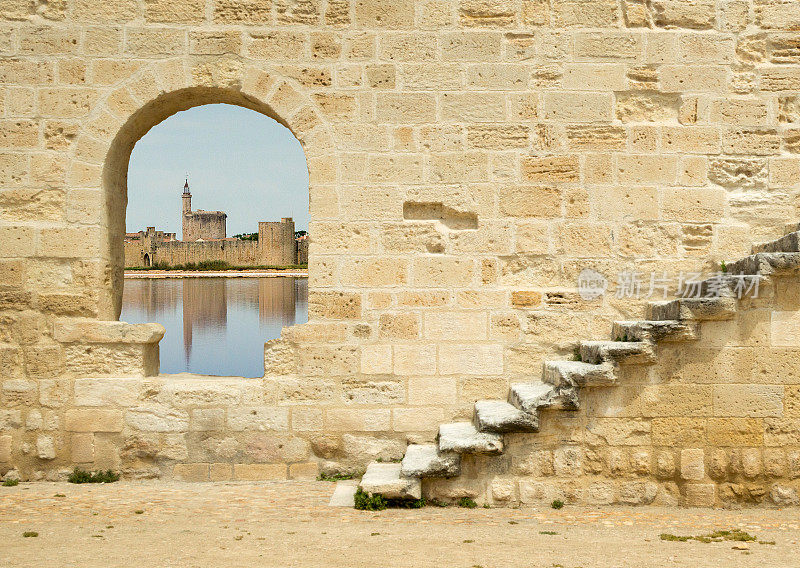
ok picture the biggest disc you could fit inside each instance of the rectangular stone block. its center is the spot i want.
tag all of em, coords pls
(357, 419)
(466, 359)
(82, 448)
(94, 420)
(303, 471)
(414, 359)
(424, 419)
(578, 106)
(735, 432)
(258, 418)
(5, 448)
(748, 400)
(221, 472)
(443, 326)
(259, 471)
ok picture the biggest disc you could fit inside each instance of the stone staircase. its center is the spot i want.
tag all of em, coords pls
(633, 343)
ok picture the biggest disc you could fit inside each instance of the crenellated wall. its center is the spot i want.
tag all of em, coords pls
(467, 160)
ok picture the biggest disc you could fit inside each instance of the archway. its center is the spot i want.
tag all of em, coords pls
(115, 173)
(147, 260)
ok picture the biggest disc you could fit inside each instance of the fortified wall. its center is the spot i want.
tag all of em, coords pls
(468, 160)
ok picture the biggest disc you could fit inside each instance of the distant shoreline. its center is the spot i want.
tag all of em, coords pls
(216, 274)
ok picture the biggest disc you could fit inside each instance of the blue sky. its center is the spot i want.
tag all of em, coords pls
(238, 161)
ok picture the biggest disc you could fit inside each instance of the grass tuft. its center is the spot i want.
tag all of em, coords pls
(11, 483)
(557, 504)
(30, 534)
(79, 475)
(467, 503)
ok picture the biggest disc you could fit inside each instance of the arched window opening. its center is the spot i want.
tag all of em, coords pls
(216, 247)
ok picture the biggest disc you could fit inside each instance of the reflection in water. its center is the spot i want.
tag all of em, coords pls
(216, 326)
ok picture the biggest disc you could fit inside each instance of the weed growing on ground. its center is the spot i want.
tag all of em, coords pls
(548, 532)
(59, 495)
(366, 502)
(576, 354)
(335, 476)
(11, 483)
(138, 512)
(557, 504)
(467, 503)
(79, 475)
(736, 535)
(29, 534)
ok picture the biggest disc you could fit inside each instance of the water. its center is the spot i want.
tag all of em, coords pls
(216, 326)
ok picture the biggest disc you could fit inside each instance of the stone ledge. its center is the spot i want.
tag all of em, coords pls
(97, 331)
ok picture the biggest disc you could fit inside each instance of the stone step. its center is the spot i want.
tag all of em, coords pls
(500, 416)
(787, 243)
(425, 460)
(464, 438)
(577, 373)
(766, 264)
(659, 330)
(791, 228)
(530, 397)
(628, 352)
(697, 309)
(386, 479)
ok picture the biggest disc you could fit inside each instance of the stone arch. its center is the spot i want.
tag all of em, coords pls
(146, 260)
(103, 148)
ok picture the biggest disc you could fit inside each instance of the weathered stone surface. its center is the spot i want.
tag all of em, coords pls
(578, 373)
(500, 416)
(462, 437)
(386, 479)
(529, 397)
(425, 460)
(631, 352)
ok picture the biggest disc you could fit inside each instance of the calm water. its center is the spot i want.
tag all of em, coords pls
(216, 326)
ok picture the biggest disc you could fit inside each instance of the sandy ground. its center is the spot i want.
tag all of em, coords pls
(169, 524)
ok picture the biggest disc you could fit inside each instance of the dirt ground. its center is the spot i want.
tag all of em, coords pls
(169, 524)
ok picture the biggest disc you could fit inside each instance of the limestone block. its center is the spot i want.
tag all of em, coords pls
(190, 471)
(422, 419)
(19, 392)
(334, 305)
(578, 106)
(414, 359)
(784, 496)
(303, 471)
(753, 141)
(377, 272)
(364, 391)
(470, 359)
(472, 107)
(621, 46)
(5, 448)
(693, 464)
(471, 46)
(748, 400)
(260, 419)
(157, 418)
(93, 420)
(45, 447)
(399, 325)
(323, 360)
(376, 359)
(207, 419)
(104, 392)
(735, 432)
(357, 420)
(165, 11)
(568, 461)
(397, 108)
(694, 78)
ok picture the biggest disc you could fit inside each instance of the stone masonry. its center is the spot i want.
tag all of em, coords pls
(467, 159)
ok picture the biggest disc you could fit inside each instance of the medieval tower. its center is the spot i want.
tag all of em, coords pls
(201, 225)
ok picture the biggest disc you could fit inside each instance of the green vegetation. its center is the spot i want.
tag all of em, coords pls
(214, 265)
(723, 267)
(466, 503)
(557, 504)
(11, 483)
(576, 354)
(29, 534)
(138, 512)
(736, 535)
(79, 475)
(366, 502)
(336, 476)
(548, 532)
(246, 236)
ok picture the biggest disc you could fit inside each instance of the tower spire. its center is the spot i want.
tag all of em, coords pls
(186, 185)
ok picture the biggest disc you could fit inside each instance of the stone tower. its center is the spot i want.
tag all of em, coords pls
(201, 225)
(276, 242)
(187, 204)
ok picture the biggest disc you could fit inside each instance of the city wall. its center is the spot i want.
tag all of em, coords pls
(467, 159)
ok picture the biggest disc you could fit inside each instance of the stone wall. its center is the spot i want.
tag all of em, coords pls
(467, 159)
